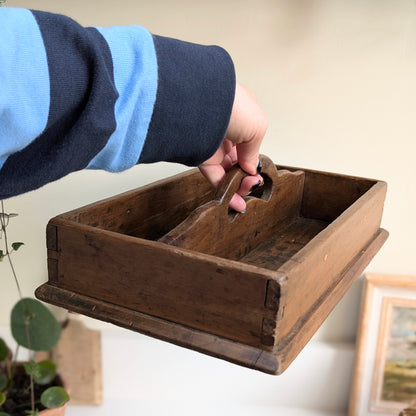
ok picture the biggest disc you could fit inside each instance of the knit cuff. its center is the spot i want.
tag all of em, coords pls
(195, 95)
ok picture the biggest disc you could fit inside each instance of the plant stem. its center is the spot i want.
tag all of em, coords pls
(3, 227)
(32, 394)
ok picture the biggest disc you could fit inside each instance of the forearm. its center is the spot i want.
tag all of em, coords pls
(75, 98)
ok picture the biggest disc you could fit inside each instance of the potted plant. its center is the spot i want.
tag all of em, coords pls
(28, 387)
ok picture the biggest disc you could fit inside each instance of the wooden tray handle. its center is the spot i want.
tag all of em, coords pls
(213, 228)
(232, 180)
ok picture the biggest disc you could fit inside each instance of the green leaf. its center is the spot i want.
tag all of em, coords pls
(54, 397)
(30, 367)
(45, 372)
(2, 398)
(30, 412)
(4, 351)
(4, 414)
(33, 325)
(17, 245)
(3, 381)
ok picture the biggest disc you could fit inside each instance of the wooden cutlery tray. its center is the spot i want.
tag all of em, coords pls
(170, 260)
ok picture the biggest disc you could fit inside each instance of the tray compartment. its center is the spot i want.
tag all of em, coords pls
(211, 230)
(281, 246)
(317, 267)
(150, 211)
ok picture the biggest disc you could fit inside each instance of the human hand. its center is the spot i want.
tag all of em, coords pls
(245, 132)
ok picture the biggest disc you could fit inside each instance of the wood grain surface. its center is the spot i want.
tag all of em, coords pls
(174, 252)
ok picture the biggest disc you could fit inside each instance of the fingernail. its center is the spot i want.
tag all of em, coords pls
(243, 212)
(259, 166)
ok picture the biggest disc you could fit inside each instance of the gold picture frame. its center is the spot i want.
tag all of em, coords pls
(384, 379)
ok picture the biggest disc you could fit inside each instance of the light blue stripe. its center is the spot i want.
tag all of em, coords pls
(24, 81)
(135, 76)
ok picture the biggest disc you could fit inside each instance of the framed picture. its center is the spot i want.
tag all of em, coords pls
(384, 379)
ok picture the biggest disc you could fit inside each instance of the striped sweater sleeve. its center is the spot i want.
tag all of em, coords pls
(103, 98)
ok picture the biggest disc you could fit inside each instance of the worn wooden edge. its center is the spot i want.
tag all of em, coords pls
(74, 213)
(128, 194)
(271, 362)
(346, 251)
(215, 346)
(333, 174)
(378, 189)
(305, 328)
(377, 192)
(264, 273)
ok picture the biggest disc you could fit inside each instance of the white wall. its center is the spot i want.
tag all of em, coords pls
(337, 79)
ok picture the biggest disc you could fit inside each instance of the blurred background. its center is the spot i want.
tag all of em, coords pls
(337, 79)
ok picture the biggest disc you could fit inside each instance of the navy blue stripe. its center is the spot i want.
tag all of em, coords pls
(196, 86)
(81, 116)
